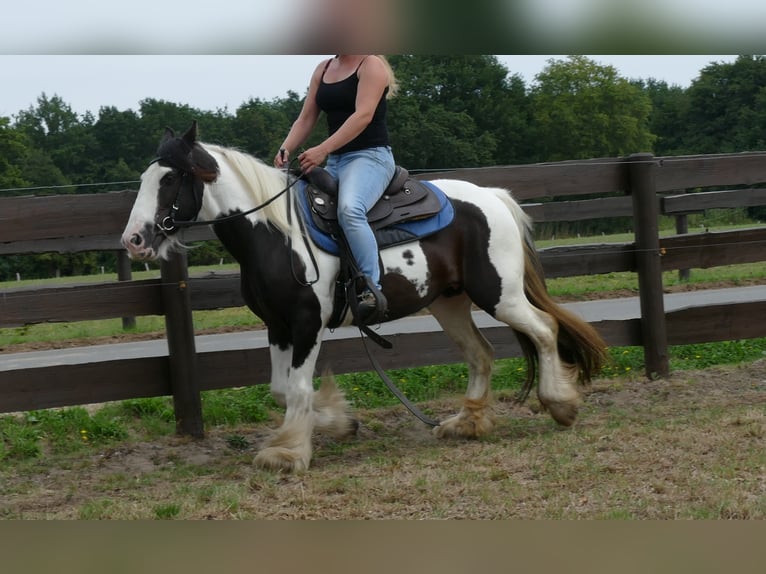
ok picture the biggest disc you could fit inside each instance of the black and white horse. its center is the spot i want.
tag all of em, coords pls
(485, 257)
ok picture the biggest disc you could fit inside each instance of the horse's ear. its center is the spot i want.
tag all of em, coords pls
(168, 135)
(191, 134)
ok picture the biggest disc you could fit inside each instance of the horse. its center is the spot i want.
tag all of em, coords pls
(484, 257)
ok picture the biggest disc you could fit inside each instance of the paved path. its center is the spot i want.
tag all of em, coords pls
(592, 311)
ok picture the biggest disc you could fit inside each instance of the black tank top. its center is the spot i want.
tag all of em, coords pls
(338, 101)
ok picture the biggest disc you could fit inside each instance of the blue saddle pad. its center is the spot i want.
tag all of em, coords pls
(395, 234)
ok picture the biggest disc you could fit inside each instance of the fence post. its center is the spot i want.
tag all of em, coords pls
(641, 180)
(184, 380)
(124, 273)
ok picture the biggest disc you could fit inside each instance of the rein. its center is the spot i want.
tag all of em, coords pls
(391, 385)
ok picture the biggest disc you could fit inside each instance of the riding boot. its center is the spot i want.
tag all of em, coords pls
(371, 307)
(371, 304)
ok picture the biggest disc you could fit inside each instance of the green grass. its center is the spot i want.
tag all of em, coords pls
(61, 431)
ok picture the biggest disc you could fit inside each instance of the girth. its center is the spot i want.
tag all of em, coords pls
(405, 199)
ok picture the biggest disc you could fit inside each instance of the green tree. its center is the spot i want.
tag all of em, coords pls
(581, 109)
(260, 127)
(667, 120)
(13, 150)
(56, 130)
(115, 131)
(457, 111)
(156, 115)
(727, 107)
(39, 171)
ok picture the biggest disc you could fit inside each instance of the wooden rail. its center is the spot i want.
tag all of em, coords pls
(640, 186)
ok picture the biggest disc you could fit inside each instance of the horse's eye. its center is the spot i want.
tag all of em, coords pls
(168, 178)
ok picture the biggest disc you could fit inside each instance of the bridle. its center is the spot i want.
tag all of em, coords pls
(169, 224)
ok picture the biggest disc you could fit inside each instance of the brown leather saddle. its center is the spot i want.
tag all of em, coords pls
(405, 199)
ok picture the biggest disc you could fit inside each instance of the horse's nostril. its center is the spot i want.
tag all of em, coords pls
(135, 239)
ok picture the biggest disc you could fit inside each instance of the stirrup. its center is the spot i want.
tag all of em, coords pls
(370, 305)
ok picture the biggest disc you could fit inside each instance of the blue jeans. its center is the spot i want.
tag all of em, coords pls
(362, 178)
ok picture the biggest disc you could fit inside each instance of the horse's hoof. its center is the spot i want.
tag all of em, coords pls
(464, 427)
(281, 459)
(563, 413)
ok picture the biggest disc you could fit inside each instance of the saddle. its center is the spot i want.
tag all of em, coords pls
(409, 209)
(405, 199)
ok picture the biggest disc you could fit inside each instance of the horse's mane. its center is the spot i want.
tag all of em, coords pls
(260, 180)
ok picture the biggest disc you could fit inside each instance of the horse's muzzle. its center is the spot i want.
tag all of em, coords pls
(139, 244)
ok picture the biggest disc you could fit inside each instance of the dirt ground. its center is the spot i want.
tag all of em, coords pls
(690, 447)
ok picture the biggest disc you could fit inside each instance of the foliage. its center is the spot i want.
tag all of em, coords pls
(584, 110)
(667, 120)
(13, 153)
(727, 107)
(457, 111)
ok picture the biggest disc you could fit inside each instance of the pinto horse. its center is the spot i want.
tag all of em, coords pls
(485, 256)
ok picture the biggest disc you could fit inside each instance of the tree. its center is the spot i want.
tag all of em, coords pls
(581, 109)
(260, 127)
(13, 150)
(457, 111)
(667, 120)
(54, 129)
(156, 115)
(39, 170)
(115, 131)
(727, 107)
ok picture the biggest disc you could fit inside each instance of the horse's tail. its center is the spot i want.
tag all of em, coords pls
(578, 343)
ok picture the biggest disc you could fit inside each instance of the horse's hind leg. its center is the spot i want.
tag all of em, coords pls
(474, 419)
(332, 412)
(557, 384)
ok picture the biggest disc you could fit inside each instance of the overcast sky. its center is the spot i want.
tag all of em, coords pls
(211, 82)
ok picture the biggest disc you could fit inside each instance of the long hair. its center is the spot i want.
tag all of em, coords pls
(393, 84)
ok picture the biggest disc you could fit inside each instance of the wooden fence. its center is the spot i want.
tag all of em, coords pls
(640, 186)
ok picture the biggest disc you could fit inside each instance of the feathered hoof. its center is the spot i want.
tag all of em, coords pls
(563, 413)
(462, 426)
(281, 459)
(339, 428)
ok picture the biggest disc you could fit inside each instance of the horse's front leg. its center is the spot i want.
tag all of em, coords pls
(289, 448)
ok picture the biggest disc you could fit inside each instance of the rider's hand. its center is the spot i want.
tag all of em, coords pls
(311, 158)
(282, 158)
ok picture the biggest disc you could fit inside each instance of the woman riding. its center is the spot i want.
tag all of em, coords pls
(352, 91)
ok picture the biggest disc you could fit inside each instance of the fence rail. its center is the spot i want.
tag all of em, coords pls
(641, 186)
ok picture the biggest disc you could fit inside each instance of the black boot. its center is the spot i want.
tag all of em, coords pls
(371, 307)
